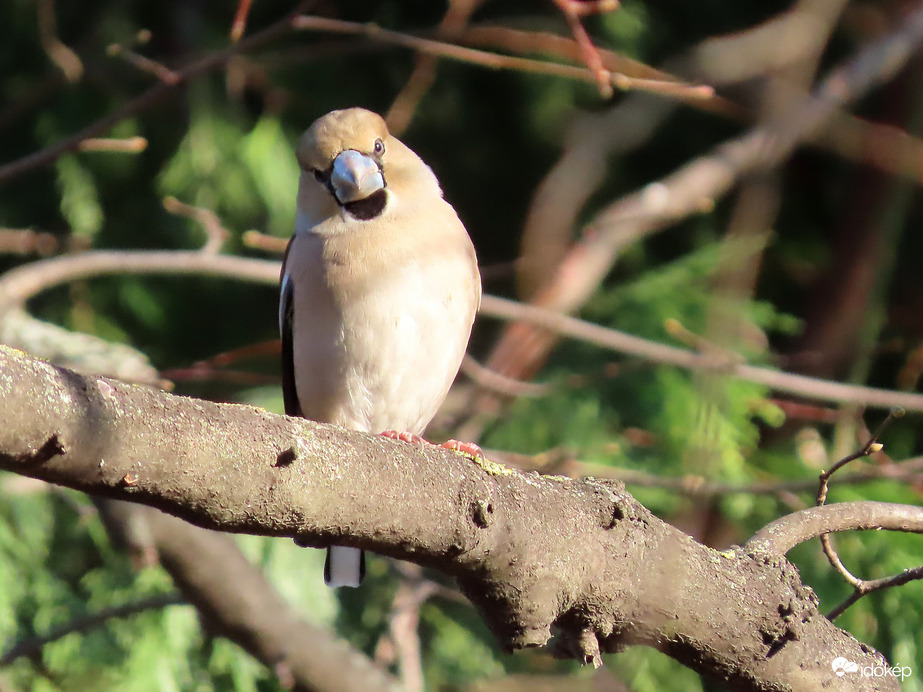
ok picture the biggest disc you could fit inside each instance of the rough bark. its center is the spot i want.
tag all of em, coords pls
(537, 555)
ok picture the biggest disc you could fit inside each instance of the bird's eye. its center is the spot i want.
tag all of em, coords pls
(318, 176)
(379, 147)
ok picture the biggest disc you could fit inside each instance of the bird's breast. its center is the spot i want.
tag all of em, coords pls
(385, 332)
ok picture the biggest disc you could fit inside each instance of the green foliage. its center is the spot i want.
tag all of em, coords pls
(267, 152)
(79, 200)
(457, 649)
(57, 566)
(207, 170)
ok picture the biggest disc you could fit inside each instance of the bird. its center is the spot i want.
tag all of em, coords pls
(379, 290)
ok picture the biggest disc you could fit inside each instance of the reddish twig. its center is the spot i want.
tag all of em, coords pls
(467, 55)
(506, 386)
(573, 11)
(240, 20)
(424, 71)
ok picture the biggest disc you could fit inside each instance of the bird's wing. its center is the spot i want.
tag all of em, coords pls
(286, 317)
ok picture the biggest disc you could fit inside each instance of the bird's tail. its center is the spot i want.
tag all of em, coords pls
(344, 566)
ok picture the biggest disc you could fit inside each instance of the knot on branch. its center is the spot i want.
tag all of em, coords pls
(51, 448)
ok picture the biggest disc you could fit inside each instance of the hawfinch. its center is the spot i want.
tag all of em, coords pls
(380, 286)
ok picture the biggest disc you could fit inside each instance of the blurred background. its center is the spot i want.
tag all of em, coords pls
(699, 205)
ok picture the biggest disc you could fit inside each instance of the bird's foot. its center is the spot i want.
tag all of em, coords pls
(405, 437)
(467, 448)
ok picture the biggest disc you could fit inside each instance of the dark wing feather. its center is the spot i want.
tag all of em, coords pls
(286, 327)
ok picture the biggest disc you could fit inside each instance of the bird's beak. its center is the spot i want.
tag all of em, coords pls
(355, 176)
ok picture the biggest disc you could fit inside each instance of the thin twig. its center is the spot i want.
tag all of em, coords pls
(67, 60)
(697, 486)
(217, 367)
(21, 283)
(626, 73)
(145, 64)
(216, 234)
(860, 586)
(129, 145)
(403, 622)
(676, 90)
(263, 241)
(871, 447)
(442, 49)
(424, 70)
(573, 11)
(31, 646)
(471, 55)
(25, 241)
(507, 386)
(867, 587)
(240, 20)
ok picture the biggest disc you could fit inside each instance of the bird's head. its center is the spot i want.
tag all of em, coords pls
(343, 157)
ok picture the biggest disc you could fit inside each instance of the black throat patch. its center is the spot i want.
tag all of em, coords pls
(368, 208)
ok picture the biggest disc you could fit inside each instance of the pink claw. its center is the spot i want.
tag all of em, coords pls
(405, 437)
(468, 448)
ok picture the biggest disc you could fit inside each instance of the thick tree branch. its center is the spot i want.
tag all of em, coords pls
(232, 596)
(533, 553)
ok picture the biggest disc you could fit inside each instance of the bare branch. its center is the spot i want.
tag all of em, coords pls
(249, 611)
(20, 284)
(488, 379)
(424, 71)
(573, 11)
(906, 472)
(613, 581)
(809, 387)
(25, 241)
(240, 20)
(786, 532)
